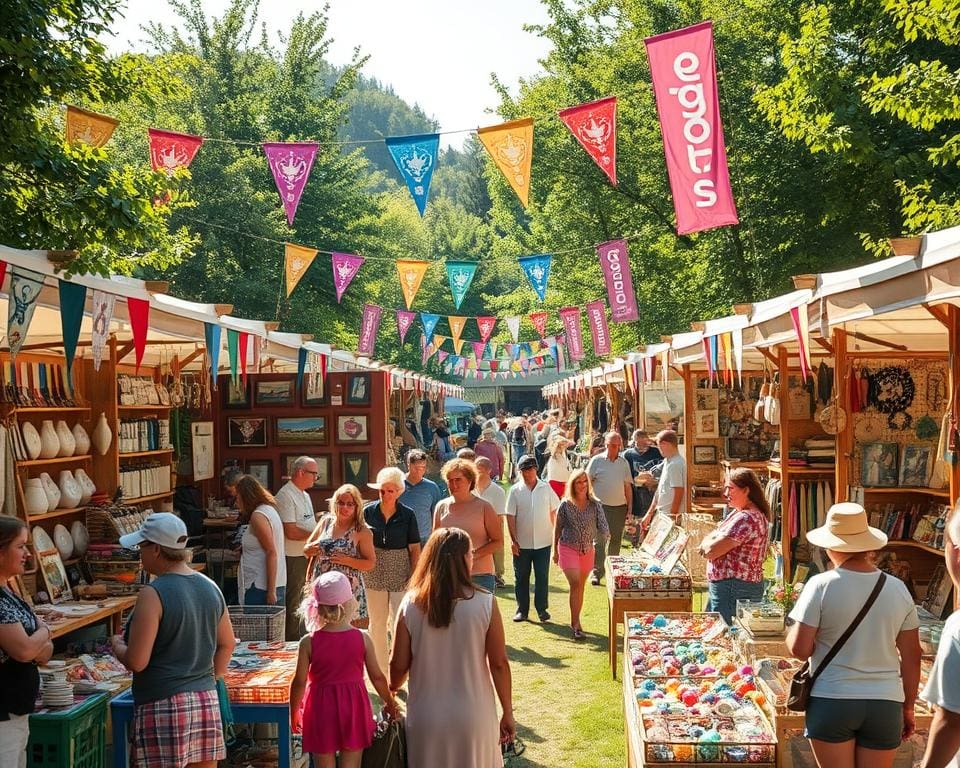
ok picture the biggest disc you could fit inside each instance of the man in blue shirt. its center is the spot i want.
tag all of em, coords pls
(421, 494)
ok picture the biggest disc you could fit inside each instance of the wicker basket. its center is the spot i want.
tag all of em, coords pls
(258, 622)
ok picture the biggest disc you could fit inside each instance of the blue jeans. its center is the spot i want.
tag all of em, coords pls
(539, 560)
(254, 596)
(485, 580)
(725, 593)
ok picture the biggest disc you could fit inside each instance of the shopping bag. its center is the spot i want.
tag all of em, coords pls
(389, 747)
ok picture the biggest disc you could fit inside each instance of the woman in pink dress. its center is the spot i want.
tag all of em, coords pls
(335, 715)
(450, 642)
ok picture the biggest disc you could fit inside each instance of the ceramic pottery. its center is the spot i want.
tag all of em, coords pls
(63, 541)
(49, 442)
(68, 445)
(50, 488)
(34, 497)
(87, 487)
(70, 492)
(31, 440)
(81, 538)
(81, 439)
(102, 436)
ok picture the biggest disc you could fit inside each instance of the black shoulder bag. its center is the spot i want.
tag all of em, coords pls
(802, 683)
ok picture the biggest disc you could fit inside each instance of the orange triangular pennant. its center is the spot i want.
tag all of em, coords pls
(296, 261)
(411, 275)
(89, 127)
(511, 147)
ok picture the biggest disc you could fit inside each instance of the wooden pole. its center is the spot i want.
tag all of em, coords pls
(783, 371)
(842, 372)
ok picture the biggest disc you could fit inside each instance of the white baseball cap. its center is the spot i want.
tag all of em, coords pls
(163, 528)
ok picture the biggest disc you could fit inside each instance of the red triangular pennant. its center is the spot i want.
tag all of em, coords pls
(139, 311)
(594, 125)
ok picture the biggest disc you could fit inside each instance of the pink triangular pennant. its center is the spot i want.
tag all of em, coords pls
(404, 321)
(345, 268)
(290, 163)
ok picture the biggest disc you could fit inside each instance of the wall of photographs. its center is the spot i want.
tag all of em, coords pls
(264, 426)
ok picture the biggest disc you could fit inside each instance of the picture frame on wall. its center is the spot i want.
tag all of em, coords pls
(707, 399)
(54, 576)
(358, 389)
(879, 465)
(704, 454)
(706, 424)
(324, 477)
(352, 428)
(262, 470)
(247, 432)
(274, 393)
(915, 465)
(302, 430)
(314, 392)
(356, 468)
(235, 396)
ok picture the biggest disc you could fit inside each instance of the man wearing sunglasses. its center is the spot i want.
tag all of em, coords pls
(295, 508)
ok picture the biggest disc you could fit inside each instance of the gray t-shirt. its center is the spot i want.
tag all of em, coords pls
(608, 478)
(182, 658)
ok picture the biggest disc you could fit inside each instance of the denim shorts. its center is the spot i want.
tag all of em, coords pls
(873, 723)
(255, 596)
(486, 580)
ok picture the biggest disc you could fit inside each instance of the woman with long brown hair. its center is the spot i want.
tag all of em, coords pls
(736, 549)
(263, 568)
(342, 541)
(450, 642)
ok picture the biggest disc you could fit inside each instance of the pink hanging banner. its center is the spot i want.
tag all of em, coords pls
(539, 320)
(486, 325)
(345, 268)
(368, 329)
(404, 321)
(685, 85)
(571, 323)
(290, 163)
(594, 125)
(169, 150)
(478, 349)
(616, 272)
(597, 317)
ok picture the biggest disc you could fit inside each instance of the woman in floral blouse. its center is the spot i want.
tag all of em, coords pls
(580, 522)
(736, 549)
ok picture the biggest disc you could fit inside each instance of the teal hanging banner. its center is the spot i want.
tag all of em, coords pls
(429, 323)
(416, 157)
(211, 335)
(233, 350)
(537, 270)
(72, 299)
(460, 274)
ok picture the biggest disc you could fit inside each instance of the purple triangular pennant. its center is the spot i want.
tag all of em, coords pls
(290, 163)
(345, 268)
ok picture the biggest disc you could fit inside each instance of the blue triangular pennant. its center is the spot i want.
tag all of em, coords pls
(211, 334)
(416, 157)
(537, 270)
(429, 323)
(460, 274)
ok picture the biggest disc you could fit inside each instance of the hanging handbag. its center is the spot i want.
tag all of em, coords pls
(389, 747)
(802, 683)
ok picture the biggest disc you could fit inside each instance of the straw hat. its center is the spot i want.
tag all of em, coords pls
(846, 530)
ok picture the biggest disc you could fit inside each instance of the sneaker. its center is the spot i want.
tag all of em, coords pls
(545, 616)
(519, 616)
(595, 579)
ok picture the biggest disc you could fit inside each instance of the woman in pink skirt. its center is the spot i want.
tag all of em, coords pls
(580, 522)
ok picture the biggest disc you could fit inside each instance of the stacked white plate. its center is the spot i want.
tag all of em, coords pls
(57, 692)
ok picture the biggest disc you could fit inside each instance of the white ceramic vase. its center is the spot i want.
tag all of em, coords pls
(68, 445)
(49, 442)
(81, 538)
(63, 541)
(102, 436)
(31, 440)
(50, 488)
(34, 497)
(86, 485)
(81, 439)
(70, 493)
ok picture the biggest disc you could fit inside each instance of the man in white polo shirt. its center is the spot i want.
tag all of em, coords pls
(613, 485)
(489, 491)
(295, 508)
(531, 514)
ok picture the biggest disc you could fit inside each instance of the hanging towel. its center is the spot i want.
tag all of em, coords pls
(794, 521)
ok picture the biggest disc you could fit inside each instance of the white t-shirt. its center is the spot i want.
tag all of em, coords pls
(253, 560)
(532, 509)
(942, 689)
(608, 478)
(673, 475)
(558, 468)
(496, 496)
(868, 665)
(295, 506)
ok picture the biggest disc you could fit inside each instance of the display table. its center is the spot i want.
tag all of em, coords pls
(759, 646)
(109, 609)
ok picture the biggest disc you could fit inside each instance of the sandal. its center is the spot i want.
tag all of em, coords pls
(578, 633)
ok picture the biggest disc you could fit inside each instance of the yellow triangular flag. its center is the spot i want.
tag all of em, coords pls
(89, 127)
(457, 345)
(411, 275)
(456, 326)
(511, 147)
(296, 261)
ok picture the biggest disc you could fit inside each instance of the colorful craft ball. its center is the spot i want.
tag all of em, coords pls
(683, 753)
(689, 698)
(695, 731)
(710, 735)
(656, 694)
(709, 671)
(728, 667)
(691, 669)
(746, 669)
(649, 685)
(744, 689)
(654, 569)
(708, 698)
(660, 621)
(758, 697)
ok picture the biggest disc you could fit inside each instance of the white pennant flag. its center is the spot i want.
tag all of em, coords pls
(738, 353)
(101, 313)
(513, 323)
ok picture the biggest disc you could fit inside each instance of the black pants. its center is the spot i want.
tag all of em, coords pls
(539, 560)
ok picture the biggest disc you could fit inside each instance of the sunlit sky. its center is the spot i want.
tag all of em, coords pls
(436, 53)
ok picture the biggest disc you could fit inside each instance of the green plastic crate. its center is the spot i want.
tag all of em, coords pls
(74, 738)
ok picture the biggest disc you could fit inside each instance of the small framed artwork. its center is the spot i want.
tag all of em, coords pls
(706, 423)
(352, 429)
(707, 399)
(358, 389)
(262, 470)
(314, 391)
(878, 468)
(307, 430)
(356, 469)
(275, 392)
(247, 432)
(915, 465)
(704, 454)
(237, 395)
(54, 577)
(323, 479)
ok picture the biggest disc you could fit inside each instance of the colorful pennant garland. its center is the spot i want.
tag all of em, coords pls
(296, 261)
(615, 263)
(369, 325)
(539, 320)
(404, 321)
(597, 317)
(290, 163)
(537, 270)
(485, 325)
(170, 151)
(25, 286)
(91, 128)
(73, 297)
(101, 314)
(139, 311)
(416, 157)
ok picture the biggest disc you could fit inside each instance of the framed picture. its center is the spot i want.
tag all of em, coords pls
(314, 391)
(878, 468)
(54, 577)
(704, 454)
(275, 392)
(323, 479)
(305, 430)
(358, 389)
(660, 527)
(706, 423)
(915, 465)
(356, 469)
(235, 395)
(261, 469)
(352, 429)
(247, 432)
(707, 399)
(202, 441)
(937, 600)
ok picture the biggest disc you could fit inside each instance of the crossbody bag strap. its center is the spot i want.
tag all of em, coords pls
(853, 625)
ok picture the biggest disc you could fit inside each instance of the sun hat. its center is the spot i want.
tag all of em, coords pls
(846, 530)
(332, 588)
(163, 528)
(527, 461)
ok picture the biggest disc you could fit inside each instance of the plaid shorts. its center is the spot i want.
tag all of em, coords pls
(173, 732)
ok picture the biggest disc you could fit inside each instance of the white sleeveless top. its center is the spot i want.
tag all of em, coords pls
(253, 560)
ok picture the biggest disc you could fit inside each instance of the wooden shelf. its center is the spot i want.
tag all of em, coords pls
(915, 545)
(778, 469)
(47, 408)
(144, 407)
(945, 494)
(57, 460)
(142, 499)
(56, 513)
(141, 454)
